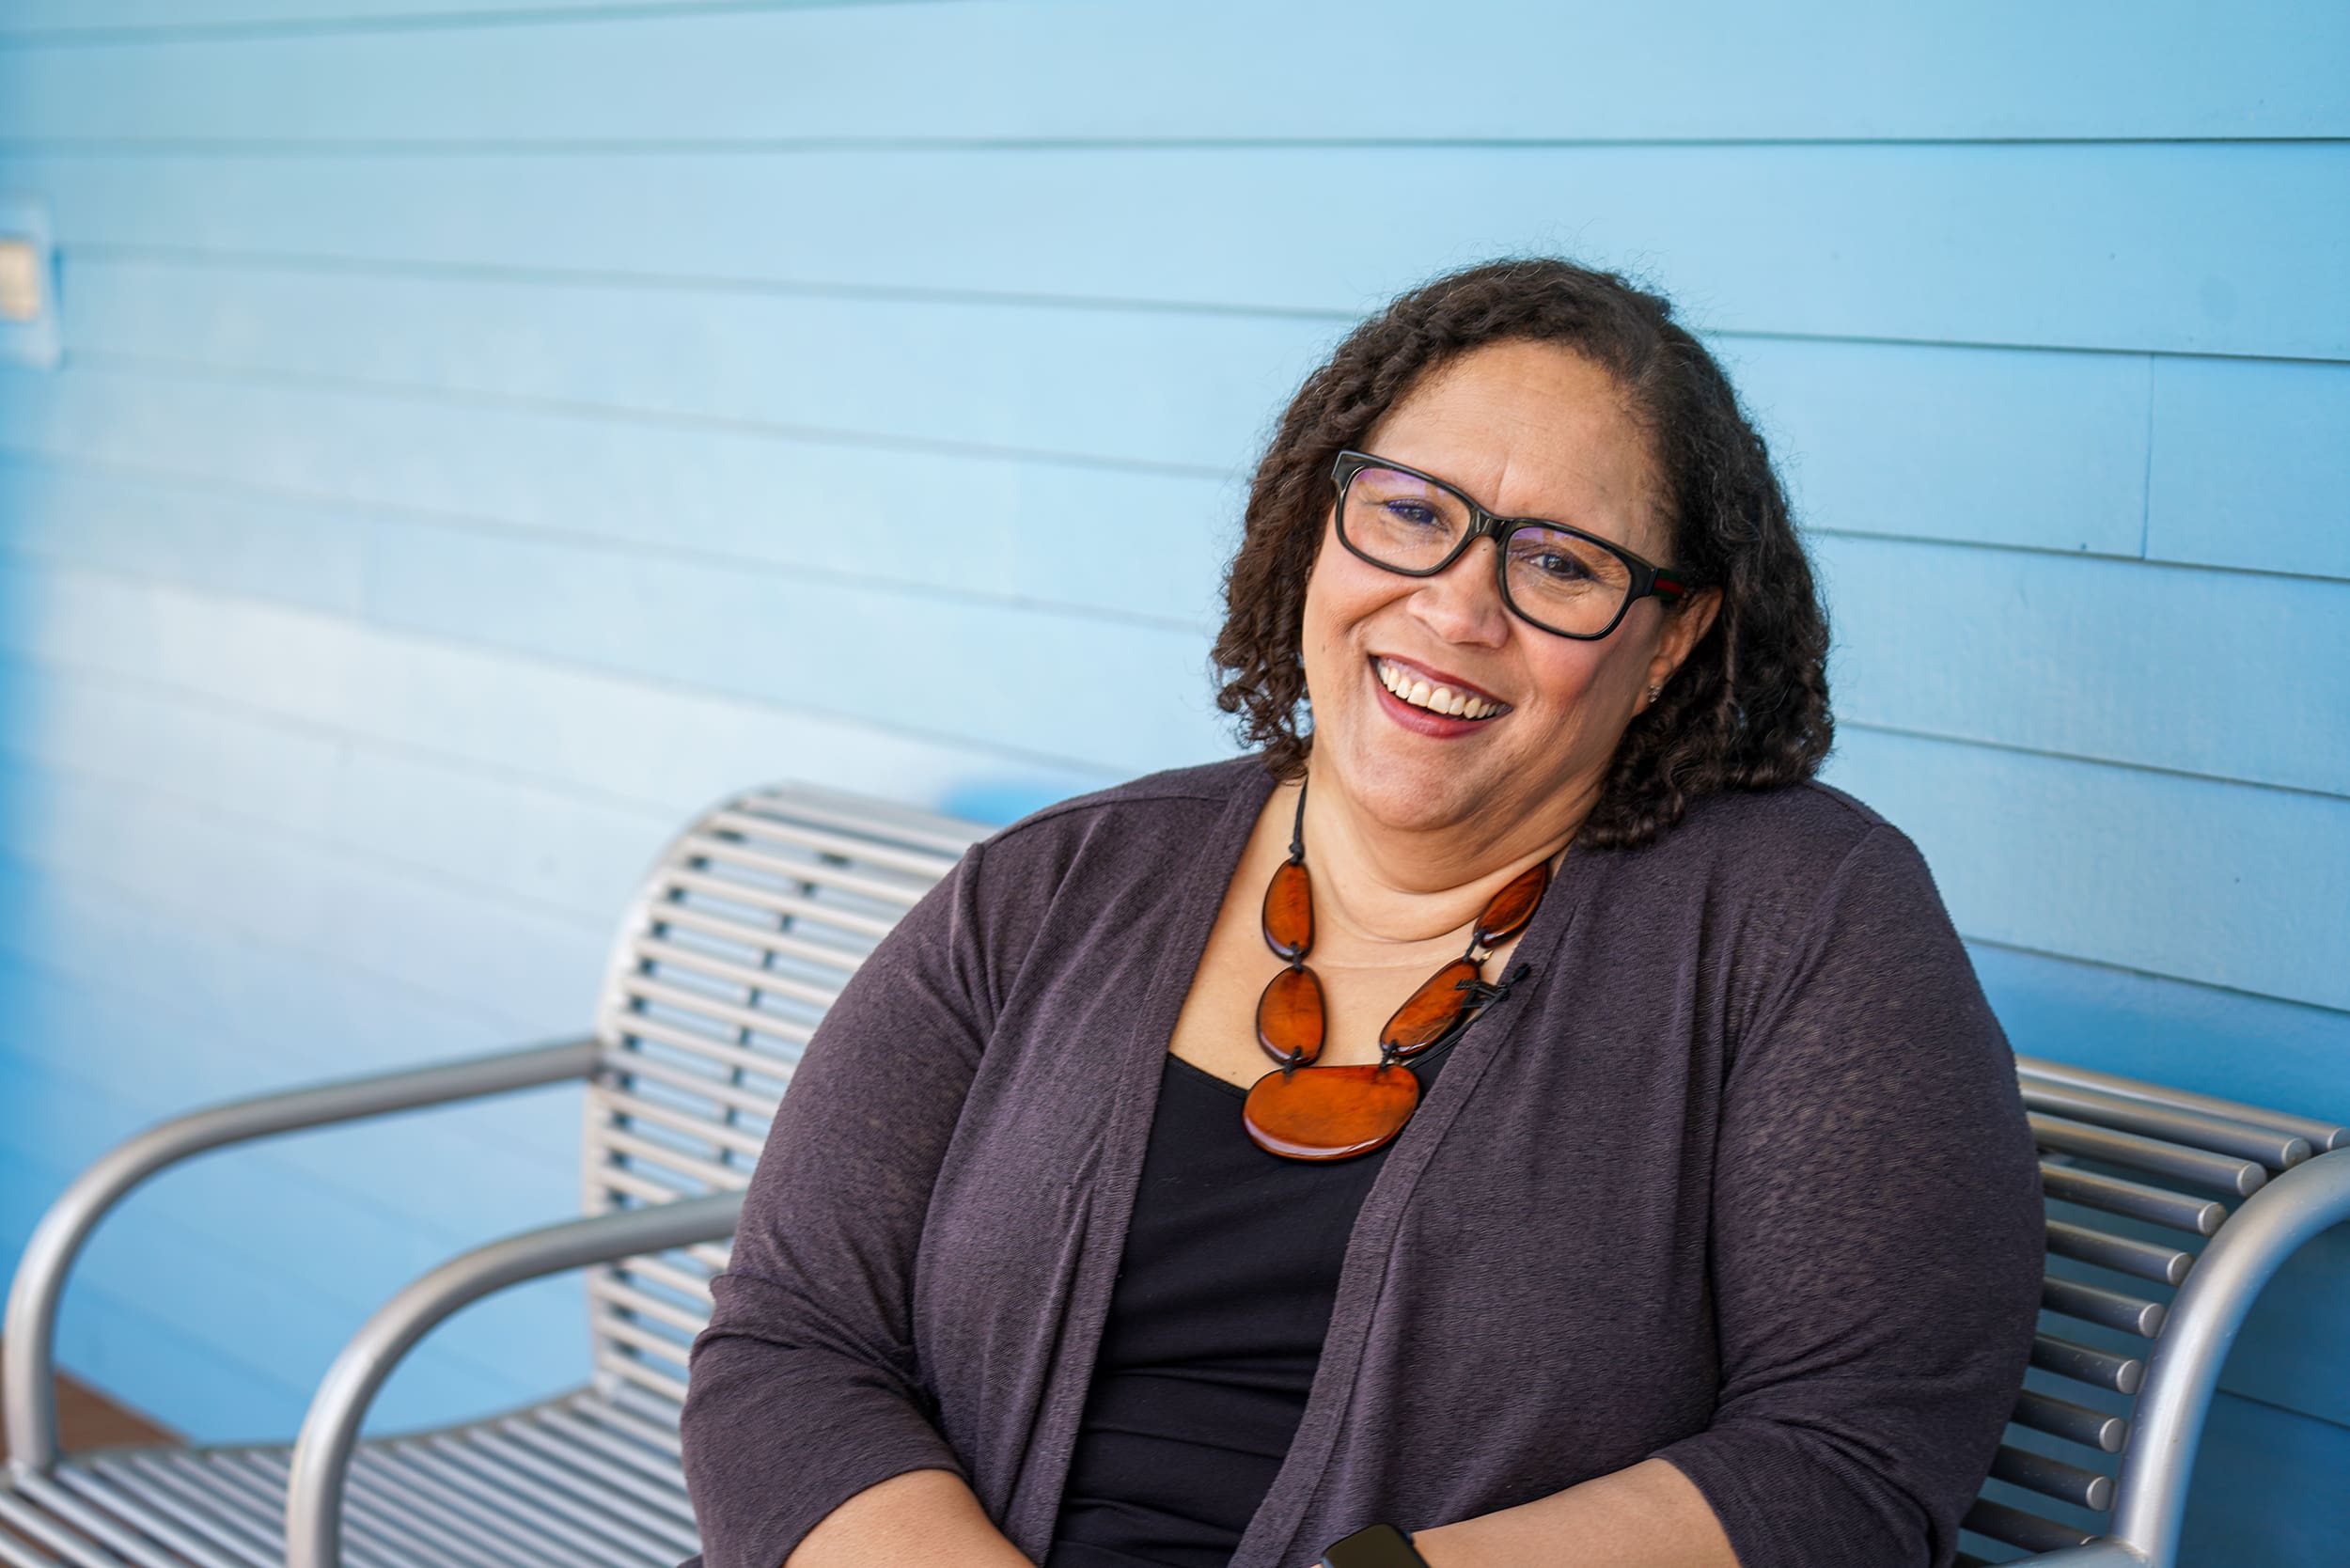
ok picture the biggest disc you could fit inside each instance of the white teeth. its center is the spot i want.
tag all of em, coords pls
(1438, 699)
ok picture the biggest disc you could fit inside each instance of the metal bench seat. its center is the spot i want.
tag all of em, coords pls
(736, 942)
(580, 1480)
(2168, 1212)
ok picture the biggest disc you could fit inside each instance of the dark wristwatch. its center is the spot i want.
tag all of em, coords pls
(1373, 1547)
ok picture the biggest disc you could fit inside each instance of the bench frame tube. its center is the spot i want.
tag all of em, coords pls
(28, 1342)
(2183, 1373)
(321, 1456)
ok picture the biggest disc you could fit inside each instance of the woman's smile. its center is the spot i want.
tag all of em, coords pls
(1430, 701)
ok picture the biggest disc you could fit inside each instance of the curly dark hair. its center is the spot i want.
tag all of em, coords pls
(1748, 710)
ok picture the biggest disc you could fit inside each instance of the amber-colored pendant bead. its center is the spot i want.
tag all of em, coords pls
(1424, 1017)
(1329, 1113)
(1290, 1018)
(1289, 912)
(1514, 906)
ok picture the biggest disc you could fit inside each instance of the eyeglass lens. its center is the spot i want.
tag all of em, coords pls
(1554, 578)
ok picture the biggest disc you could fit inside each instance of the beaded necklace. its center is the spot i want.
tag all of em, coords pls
(1304, 1112)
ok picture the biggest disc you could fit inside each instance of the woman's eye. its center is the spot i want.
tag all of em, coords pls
(1416, 513)
(1565, 568)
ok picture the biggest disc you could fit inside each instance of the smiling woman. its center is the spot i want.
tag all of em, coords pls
(1428, 1138)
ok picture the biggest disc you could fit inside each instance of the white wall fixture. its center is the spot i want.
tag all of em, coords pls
(29, 284)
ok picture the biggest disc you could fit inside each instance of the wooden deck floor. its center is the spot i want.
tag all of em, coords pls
(88, 1420)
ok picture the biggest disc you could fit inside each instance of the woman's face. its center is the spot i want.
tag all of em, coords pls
(1529, 430)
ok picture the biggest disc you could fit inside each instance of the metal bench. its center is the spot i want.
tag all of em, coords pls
(739, 938)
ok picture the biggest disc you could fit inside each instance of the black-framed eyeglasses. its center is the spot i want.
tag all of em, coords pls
(1553, 576)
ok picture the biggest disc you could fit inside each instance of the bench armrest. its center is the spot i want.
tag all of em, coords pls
(2183, 1373)
(321, 1457)
(28, 1341)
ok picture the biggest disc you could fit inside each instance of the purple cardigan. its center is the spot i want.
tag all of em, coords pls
(1738, 1177)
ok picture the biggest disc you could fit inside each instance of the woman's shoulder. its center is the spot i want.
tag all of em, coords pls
(1783, 854)
(1157, 823)
(1805, 826)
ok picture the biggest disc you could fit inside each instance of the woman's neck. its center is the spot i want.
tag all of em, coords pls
(1403, 890)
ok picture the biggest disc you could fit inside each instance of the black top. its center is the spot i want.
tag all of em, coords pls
(1215, 1325)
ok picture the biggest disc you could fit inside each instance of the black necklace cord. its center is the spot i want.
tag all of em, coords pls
(1480, 997)
(1297, 829)
(1483, 994)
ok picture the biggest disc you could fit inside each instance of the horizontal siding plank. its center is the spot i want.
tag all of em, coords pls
(254, 1014)
(2267, 1486)
(234, 1014)
(2043, 449)
(1843, 69)
(315, 472)
(1125, 697)
(2087, 657)
(527, 976)
(200, 535)
(2220, 673)
(1119, 697)
(2046, 451)
(2251, 465)
(45, 24)
(630, 738)
(537, 849)
(2221, 248)
(2202, 1038)
(1130, 385)
(2206, 881)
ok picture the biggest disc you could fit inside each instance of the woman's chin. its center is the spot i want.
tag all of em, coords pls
(1408, 794)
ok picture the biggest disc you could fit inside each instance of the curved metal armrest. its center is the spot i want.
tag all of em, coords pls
(28, 1341)
(321, 1457)
(2183, 1373)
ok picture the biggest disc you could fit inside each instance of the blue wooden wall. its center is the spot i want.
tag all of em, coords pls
(485, 433)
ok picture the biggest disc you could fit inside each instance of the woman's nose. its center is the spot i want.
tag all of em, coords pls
(1463, 603)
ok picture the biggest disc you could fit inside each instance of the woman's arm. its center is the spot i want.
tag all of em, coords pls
(921, 1519)
(806, 1397)
(1649, 1516)
(1876, 1257)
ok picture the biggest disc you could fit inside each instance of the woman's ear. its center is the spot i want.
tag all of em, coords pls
(1683, 630)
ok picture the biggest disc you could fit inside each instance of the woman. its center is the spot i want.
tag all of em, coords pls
(1655, 1189)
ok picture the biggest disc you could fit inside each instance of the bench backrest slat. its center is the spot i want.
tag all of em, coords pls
(743, 933)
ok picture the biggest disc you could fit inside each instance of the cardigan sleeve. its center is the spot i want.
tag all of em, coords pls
(1878, 1238)
(804, 1389)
